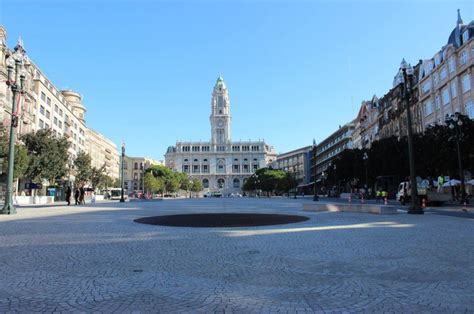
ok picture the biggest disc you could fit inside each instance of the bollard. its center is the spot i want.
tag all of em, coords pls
(350, 198)
(385, 201)
(464, 208)
(423, 203)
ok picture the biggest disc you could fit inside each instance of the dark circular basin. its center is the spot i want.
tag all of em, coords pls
(221, 220)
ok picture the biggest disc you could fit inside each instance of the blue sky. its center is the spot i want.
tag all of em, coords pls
(295, 70)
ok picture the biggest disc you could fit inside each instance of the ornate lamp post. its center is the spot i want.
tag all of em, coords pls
(122, 199)
(454, 123)
(315, 197)
(366, 163)
(16, 64)
(408, 97)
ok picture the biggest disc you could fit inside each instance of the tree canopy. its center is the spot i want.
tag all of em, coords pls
(46, 155)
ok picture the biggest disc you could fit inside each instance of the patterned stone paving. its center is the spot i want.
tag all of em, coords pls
(96, 259)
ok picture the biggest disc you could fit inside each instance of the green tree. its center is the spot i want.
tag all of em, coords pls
(98, 177)
(196, 185)
(47, 156)
(21, 160)
(83, 168)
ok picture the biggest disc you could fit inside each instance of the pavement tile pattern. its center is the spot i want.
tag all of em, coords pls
(95, 258)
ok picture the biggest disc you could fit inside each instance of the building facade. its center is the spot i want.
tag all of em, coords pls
(298, 163)
(44, 106)
(220, 164)
(446, 80)
(103, 152)
(330, 148)
(134, 172)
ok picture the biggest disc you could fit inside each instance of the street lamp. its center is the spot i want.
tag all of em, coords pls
(16, 64)
(315, 196)
(122, 199)
(366, 161)
(454, 123)
(408, 98)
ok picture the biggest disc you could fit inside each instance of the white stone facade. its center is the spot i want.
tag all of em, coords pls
(220, 164)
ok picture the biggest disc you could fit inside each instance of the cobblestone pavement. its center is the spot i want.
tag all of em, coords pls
(95, 258)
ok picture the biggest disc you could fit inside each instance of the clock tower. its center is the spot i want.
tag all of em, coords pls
(220, 113)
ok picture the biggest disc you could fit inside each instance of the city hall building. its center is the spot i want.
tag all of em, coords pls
(220, 164)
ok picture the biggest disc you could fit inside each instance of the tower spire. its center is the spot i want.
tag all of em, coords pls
(459, 17)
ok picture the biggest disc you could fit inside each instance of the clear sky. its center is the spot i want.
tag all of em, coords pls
(295, 70)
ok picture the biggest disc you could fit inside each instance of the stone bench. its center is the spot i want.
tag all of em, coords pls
(352, 208)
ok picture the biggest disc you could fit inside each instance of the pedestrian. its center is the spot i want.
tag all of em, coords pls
(68, 195)
(440, 183)
(76, 196)
(81, 196)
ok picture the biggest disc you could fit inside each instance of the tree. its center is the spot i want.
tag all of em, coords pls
(196, 185)
(21, 160)
(82, 165)
(286, 183)
(46, 156)
(98, 177)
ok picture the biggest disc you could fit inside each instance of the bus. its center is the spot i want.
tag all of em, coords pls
(116, 193)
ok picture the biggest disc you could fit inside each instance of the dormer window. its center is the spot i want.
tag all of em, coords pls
(465, 36)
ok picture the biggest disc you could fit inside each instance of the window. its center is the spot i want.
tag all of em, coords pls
(60, 124)
(186, 168)
(235, 148)
(205, 183)
(42, 110)
(220, 183)
(205, 169)
(466, 83)
(454, 91)
(205, 148)
(48, 101)
(426, 87)
(245, 148)
(245, 168)
(451, 64)
(196, 148)
(465, 36)
(48, 114)
(236, 183)
(186, 149)
(435, 79)
(428, 106)
(41, 124)
(220, 166)
(235, 169)
(61, 112)
(463, 57)
(55, 121)
(470, 109)
(445, 95)
(443, 73)
(195, 168)
(135, 166)
(56, 108)
(43, 96)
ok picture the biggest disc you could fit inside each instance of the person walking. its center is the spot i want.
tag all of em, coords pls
(81, 196)
(68, 195)
(76, 196)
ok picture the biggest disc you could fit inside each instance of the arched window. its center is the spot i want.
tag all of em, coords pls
(220, 166)
(205, 183)
(236, 183)
(220, 183)
(136, 166)
(195, 160)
